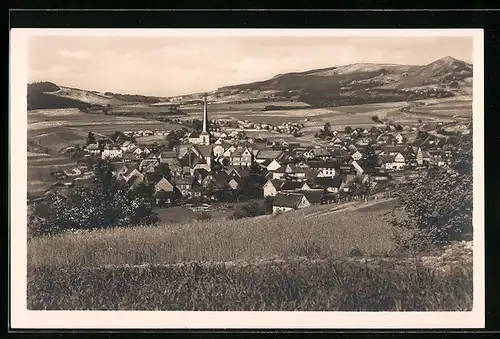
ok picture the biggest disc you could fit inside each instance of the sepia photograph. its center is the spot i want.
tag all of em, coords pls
(288, 178)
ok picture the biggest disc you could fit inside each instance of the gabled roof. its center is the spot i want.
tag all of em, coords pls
(313, 196)
(291, 200)
(277, 183)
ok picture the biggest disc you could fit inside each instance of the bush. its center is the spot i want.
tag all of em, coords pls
(445, 214)
(203, 216)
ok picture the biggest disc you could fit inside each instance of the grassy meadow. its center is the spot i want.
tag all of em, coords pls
(301, 260)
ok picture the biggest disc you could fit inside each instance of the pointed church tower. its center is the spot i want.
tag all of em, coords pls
(205, 135)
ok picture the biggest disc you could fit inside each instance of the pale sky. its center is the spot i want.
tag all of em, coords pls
(167, 66)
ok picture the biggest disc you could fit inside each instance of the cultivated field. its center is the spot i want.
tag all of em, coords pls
(39, 168)
(59, 128)
(301, 260)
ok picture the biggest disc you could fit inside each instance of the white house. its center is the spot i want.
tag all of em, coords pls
(285, 202)
(112, 153)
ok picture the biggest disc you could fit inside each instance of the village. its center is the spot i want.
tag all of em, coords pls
(216, 165)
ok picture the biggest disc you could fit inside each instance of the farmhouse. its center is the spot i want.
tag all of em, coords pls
(324, 168)
(112, 152)
(285, 202)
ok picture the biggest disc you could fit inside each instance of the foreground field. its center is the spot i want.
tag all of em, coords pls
(302, 260)
(296, 285)
(299, 233)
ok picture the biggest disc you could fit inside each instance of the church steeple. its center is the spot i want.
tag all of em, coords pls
(205, 134)
(205, 114)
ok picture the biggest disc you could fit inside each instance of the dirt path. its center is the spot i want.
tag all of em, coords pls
(350, 206)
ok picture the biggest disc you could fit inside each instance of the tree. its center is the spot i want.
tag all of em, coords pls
(247, 189)
(163, 171)
(90, 138)
(327, 128)
(439, 205)
(98, 205)
(370, 156)
(348, 129)
(197, 124)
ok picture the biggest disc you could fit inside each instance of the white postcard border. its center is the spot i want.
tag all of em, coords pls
(23, 318)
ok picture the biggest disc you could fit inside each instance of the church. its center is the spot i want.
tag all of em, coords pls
(203, 137)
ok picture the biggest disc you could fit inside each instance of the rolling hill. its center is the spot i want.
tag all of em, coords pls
(47, 95)
(353, 84)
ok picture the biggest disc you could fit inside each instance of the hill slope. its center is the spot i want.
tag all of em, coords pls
(47, 95)
(354, 84)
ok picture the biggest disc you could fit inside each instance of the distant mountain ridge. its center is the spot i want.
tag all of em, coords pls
(361, 83)
(351, 84)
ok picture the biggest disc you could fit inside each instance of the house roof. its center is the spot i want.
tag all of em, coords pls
(395, 149)
(291, 185)
(168, 154)
(204, 150)
(321, 152)
(194, 134)
(291, 200)
(327, 182)
(269, 154)
(277, 183)
(384, 159)
(135, 179)
(187, 180)
(93, 147)
(201, 171)
(313, 196)
(115, 166)
(322, 164)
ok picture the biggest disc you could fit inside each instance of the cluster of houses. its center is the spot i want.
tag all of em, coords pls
(293, 175)
(284, 128)
(145, 133)
(285, 172)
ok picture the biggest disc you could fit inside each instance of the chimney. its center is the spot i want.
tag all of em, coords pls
(205, 115)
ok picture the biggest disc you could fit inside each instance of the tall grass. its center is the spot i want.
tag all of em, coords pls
(288, 235)
(278, 286)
